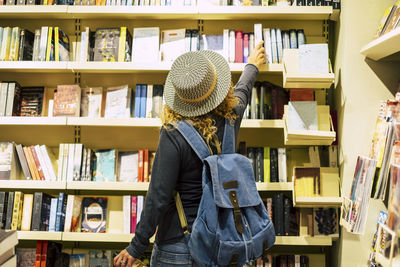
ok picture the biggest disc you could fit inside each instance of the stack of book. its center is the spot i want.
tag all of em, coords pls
(46, 44)
(132, 207)
(8, 241)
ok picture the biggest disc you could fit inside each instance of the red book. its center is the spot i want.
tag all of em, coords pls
(140, 165)
(246, 48)
(38, 257)
(44, 253)
(145, 165)
(37, 163)
(303, 94)
(133, 213)
(238, 47)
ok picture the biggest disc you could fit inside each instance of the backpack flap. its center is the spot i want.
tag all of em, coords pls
(233, 174)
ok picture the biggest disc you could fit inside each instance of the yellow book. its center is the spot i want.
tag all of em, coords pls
(17, 211)
(264, 2)
(7, 45)
(45, 2)
(122, 42)
(267, 165)
(27, 212)
(49, 37)
(14, 44)
(56, 45)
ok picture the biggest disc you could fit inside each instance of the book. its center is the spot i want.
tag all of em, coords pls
(128, 166)
(149, 101)
(94, 214)
(3, 209)
(140, 165)
(139, 209)
(172, 44)
(38, 256)
(3, 98)
(194, 40)
(49, 159)
(40, 211)
(214, 43)
(27, 212)
(279, 45)
(8, 240)
(259, 175)
(157, 102)
(43, 43)
(145, 44)
(49, 47)
(277, 203)
(137, 101)
(145, 165)
(274, 175)
(282, 167)
(105, 165)
(42, 165)
(73, 214)
(274, 47)
(53, 214)
(232, 44)
(9, 167)
(267, 44)
(25, 257)
(267, 165)
(13, 99)
(31, 163)
(5, 44)
(70, 162)
(301, 94)
(100, 258)
(17, 211)
(60, 212)
(106, 46)
(251, 154)
(9, 212)
(31, 101)
(133, 213)
(36, 45)
(313, 58)
(143, 100)
(307, 182)
(326, 221)
(67, 101)
(126, 207)
(239, 47)
(118, 102)
(14, 43)
(77, 162)
(302, 115)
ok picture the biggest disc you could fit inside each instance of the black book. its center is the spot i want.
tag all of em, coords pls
(290, 260)
(158, 90)
(300, 3)
(274, 165)
(60, 213)
(291, 218)
(287, 205)
(10, 207)
(304, 261)
(26, 40)
(62, 260)
(336, 4)
(53, 252)
(319, 2)
(40, 212)
(310, 2)
(277, 203)
(31, 101)
(251, 154)
(328, 2)
(281, 260)
(3, 209)
(242, 148)
(259, 164)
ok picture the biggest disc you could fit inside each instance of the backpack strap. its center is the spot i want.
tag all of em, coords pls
(228, 143)
(194, 139)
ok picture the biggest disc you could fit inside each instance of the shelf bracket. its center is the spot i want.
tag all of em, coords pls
(200, 25)
(325, 30)
(77, 134)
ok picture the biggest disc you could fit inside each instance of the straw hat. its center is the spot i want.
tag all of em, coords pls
(197, 83)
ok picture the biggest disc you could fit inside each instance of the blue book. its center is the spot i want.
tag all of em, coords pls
(105, 166)
(60, 212)
(137, 101)
(53, 213)
(143, 100)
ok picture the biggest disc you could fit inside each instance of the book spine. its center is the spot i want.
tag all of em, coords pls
(43, 260)
(65, 162)
(60, 162)
(68, 213)
(140, 165)
(10, 98)
(37, 211)
(3, 209)
(226, 44)
(232, 44)
(42, 163)
(145, 165)
(143, 98)
(149, 101)
(37, 163)
(286, 216)
(127, 214)
(282, 168)
(47, 160)
(70, 160)
(267, 165)
(27, 212)
(49, 38)
(278, 213)
(268, 45)
(53, 215)
(259, 164)
(38, 256)
(3, 98)
(43, 42)
(336, 4)
(133, 213)
(310, 2)
(24, 162)
(77, 162)
(251, 154)
(59, 212)
(274, 46)
(10, 206)
(319, 2)
(239, 47)
(17, 211)
(279, 45)
(139, 209)
(137, 101)
(56, 45)
(274, 165)
(246, 49)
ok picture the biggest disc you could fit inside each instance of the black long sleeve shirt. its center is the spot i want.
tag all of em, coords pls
(177, 167)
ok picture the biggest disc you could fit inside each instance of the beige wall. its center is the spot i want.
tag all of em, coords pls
(360, 85)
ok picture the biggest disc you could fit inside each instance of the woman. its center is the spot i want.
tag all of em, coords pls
(199, 89)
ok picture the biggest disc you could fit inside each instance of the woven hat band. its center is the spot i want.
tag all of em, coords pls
(207, 94)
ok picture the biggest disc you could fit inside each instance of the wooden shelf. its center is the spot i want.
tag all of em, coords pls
(39, 235)
(303, 241)
(107, 186)
(335, 16)
(34, 12)
(97, 237)
(32, 184)
(312, 202)
(270, 12)
(33, 66)
(118, 67)
(274, 187)
(48, 121)
(114, 122)
(383, 46)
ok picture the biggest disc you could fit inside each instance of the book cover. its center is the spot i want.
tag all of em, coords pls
(5, 45)
(267, 165)
(301, 94)
(60, 212)
(94, 214)
(3, 98)
(40, 211)
(106, 45)
(27, 212)
(36, 45)
(9, 213)
(67, 101)
(37, 163)
(145, 44)
(118, 102)
(3, 209)
(194, 40)
(49, 44)
(277, 203)
(214, 43)
(31, 101)
(60, 162)
(31, 163)
(105, 165)
(17, 211)
(140, 165)
(158, 90)
(251, 154)
(43, 43)
(14, 45)
(73, 214)
(91, 102)
(122, 44)
(53, 253)
(274, 47)
(77, 162)
(173, 44)
(303, 115)
(139, 208)
(143, 98)
(100, 258)
(53, 214)
(13, 107)
(231, 46)
(137, 101)
(282, 167)
(313, 59)
(128, 166)
(43, 164)
(133, 213)
(279, 45)
(38, 256)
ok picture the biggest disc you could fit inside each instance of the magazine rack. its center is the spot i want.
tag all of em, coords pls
(307, 137)
(329, 187)
(292, 78)
(384, 232)
(344, 221)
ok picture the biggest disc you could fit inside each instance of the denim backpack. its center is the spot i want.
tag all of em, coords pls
(232, 225)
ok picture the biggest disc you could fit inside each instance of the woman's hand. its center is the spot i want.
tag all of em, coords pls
(124, 259)
(257, 56)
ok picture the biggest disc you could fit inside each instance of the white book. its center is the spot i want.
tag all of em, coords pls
(91, 100)
(42, 163)
(268, 44)
(279, 45)
(48, 162)
(43, 43)
(10, 98)
(70, 168)
(313, 58)
(149, 101)
(5, 42)
(84, 45)
(13, 56)
(50, 109)
(226, 44)
(139, 209)
(187, 40)
(128, 166)
(303, 115)
(53, 214)
(146, 44)
(172, 44)
(77, 162)
(68, 213)
(136, 3)
(118, 102)
(282, 167)
(251, 42)
(232, 46)
(126, 206)
(60, 162)
(36, 46)
(274, 47)
(3, 98)
(297, 261)
(65, 162)
(257, 34)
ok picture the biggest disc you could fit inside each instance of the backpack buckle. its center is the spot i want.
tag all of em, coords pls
(237, 215)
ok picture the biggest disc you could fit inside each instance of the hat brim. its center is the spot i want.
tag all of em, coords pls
(223, 84)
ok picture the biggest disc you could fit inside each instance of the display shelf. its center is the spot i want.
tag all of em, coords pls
(383, 46)
(33, 66)
(311, 202)
(303, 241)
(268, 12)
(274, 187)
(335, 16)
(39, 235)
(34, 12)
(48, 121)
(119, 67)
(107, 186)
(246, 123)
(114, 122)
(97, 237)
(133, 12)
(32, 185)
(267, 68)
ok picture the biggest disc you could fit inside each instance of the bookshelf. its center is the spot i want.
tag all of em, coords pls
(310, 202)
(39, 235)
(303, 241)
(37, 121)
(101, 237)
(107, 186)
(384, 46)
(32, 185)
(33, 67)
(33, 12)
